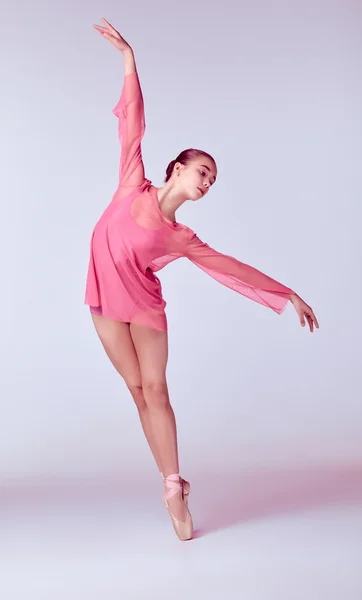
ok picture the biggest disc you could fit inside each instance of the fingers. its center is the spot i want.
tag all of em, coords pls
(315, 320)
(310, 322)
(304, 315)
(109, 26)
(108, 32)
(101, 30)
(104, 32)
(106, 36)
(312, 319)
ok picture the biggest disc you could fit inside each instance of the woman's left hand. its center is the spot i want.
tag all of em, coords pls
(304, 312)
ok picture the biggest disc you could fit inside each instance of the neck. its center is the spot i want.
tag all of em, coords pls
(169, 200)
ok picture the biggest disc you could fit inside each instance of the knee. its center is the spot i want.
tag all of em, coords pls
(138, 396)
(156, 394)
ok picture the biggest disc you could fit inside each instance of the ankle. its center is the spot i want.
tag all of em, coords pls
(170, 475)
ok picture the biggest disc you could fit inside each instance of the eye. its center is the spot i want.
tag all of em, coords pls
(203, 174)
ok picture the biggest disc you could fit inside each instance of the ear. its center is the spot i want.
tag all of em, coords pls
(178, 167)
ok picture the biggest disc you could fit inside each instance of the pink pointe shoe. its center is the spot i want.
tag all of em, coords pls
(175, 483)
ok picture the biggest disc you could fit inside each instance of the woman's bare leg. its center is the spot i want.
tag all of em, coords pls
(139, 354)
(118, 345)
(152, 352)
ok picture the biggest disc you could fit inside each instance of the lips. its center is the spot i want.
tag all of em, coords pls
(202, 191)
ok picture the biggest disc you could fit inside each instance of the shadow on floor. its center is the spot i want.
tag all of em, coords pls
(218, 500)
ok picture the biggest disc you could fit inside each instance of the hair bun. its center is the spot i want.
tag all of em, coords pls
(184, 157)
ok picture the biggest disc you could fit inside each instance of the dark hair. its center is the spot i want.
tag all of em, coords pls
(185, 157)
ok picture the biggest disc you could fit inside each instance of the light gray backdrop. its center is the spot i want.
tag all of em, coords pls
(273, 91)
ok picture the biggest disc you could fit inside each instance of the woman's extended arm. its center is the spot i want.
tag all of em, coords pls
(247, 280)
(238, 276)
(130, 112)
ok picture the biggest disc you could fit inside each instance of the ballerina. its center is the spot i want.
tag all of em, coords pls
(137, 235)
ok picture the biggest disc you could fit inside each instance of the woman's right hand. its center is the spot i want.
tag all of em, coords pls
(113, 36)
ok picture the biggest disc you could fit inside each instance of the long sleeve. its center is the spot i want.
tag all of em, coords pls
(131, 127)
(238, 276)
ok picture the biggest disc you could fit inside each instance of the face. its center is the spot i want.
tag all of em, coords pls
(198, 174)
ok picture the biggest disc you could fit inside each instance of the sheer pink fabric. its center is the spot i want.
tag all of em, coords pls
(133, 239)
(238, 276)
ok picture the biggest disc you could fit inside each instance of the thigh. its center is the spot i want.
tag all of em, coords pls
(117, 342)
(152, 351)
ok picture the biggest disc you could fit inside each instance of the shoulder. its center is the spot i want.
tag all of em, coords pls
(144, 187)
(126, 191)
(187, 238)
(188, 229)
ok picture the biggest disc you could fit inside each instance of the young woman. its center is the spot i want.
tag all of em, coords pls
(136, 235)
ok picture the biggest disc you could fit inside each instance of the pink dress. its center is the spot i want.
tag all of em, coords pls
(133, 239)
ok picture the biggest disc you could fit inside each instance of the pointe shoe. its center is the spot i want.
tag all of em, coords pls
(175, 483)
(186, 487)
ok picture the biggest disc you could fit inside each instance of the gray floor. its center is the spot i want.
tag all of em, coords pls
(258, 535)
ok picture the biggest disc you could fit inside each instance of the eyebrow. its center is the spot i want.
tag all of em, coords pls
(208, 168)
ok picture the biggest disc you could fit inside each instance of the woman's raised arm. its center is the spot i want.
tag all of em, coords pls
(130, 112)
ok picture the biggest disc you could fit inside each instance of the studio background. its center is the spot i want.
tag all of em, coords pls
(273, 91)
